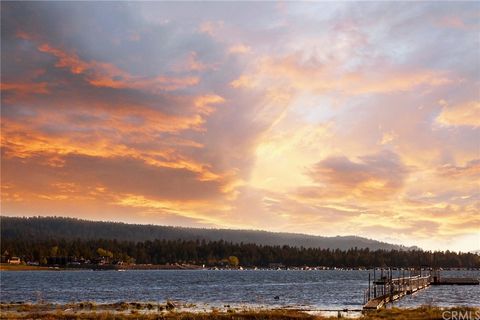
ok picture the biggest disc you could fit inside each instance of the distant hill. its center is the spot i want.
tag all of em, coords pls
(43, 228)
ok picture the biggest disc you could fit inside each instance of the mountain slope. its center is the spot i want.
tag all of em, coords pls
(39, 228)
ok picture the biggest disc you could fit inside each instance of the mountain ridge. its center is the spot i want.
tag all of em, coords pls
(41, 228)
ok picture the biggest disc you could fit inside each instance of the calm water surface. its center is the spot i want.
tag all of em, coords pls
(329, 289)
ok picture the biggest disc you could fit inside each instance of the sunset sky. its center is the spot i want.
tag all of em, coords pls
(320, 118)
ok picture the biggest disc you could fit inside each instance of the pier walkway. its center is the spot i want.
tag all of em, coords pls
(387, 289)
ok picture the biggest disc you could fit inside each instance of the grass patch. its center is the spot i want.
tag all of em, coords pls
(422, 313)
(21, 267)
(133, 312)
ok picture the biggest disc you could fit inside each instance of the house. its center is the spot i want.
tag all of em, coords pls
(4, 257)
(14, 260)
(100, 261)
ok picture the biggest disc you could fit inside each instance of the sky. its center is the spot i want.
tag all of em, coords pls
(325, 118)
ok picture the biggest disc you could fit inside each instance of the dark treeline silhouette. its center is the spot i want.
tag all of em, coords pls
(212, 253)
(43, 228)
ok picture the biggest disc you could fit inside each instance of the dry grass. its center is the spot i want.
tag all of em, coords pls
(422, 313)
(20, 267)
(168, 316)
(257, 315)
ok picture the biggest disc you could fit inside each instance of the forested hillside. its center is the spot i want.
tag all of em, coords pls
(45, 228)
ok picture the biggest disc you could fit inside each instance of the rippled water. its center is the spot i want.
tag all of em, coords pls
(329, 289)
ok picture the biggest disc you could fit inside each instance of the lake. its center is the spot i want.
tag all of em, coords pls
(315, 289)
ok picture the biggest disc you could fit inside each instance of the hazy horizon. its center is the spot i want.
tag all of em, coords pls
(319, 118)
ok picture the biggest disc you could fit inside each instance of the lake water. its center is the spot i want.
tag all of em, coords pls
(327, 289)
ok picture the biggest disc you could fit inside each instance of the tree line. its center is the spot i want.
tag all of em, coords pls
(41, 228)
(214, 253)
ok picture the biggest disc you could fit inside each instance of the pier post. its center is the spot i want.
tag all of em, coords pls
(369, 286)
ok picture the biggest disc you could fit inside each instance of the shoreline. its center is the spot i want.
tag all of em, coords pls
(143, 267)
(16, 267)
(174, 310)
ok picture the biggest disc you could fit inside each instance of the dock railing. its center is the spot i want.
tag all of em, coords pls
(392, 287)
(387, 289)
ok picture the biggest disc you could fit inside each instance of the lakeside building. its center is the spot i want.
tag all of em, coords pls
(14, 260)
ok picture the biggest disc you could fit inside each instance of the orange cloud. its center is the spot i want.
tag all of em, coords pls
(466, 114)
(388, 137)
(375, 176)
(239, 49)
(362, 84)
(243, 82)
(204, 103)
(21, 143)
(194, 64)
(292, 71)
(114, 132)
(190, 209)
(471, 170)
(210, 27)
(23, 35)
(65, 60)
(25, 87)
(103, 74)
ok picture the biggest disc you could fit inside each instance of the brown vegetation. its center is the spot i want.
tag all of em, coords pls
(148, 311)
(21, 267)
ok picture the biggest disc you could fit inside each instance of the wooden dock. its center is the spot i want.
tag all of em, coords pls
(456, 281)
(387, 289)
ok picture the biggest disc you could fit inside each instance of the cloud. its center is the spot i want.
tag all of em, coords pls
(388, 137)
(110, 133)
(239, 49)
(471, 170)
(466, 114)
(313, 74)
(210, 27)
(103, 74)
(117, 181)
(26, 88)
(376, 176)
(242, 82)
